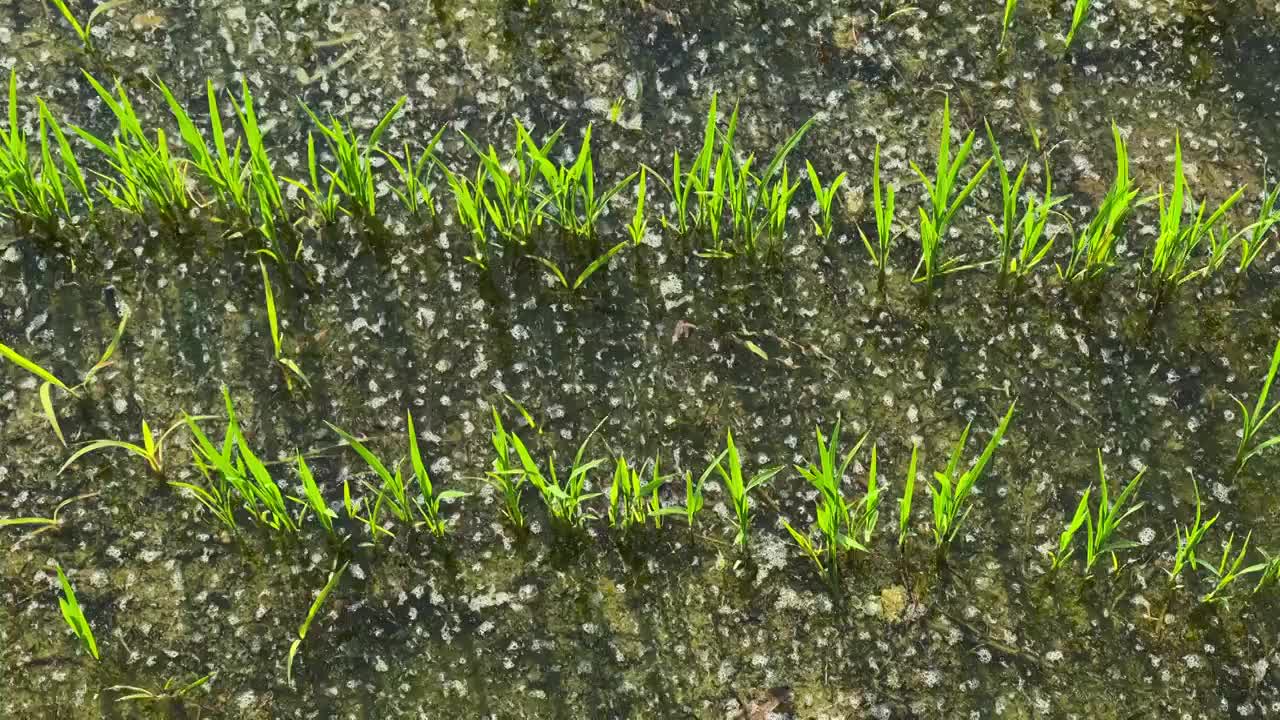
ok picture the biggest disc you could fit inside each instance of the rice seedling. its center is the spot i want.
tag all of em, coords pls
(470, 211)
(1255, 237)
(1270, 572)
(639, 224)
(221, 168)
(693, 498)
(1102, 528)
(73, 614)
(1228, 571)
(586, 273)
(1059, 557)
(323, 200)
(825, 197)
(572, 189)
(1010, 6)
(1171, 255)
(512, 209)
(762, 203)
(34, 187)
(42, 524)
(421, 508)
(238, 470)
(415, 192)
(504, 475)
(882, 205)
(1189, 539)
(1093, 251)
(843, 524)
(168, 695)
(262, 176)
(740, 487)
(951, 489)
(1009, 191)
(312, 499)
(151, 450)
(85, 31)
(1253, 421)
(943, 204)
(904, 505)
(1078, 14)
(335, 576)
(565, 499)
(289, 369)
(49, 380)
(632, 501)
(354, 169)
(146, 175)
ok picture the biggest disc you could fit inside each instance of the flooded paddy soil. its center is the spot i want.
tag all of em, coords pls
(667, 622)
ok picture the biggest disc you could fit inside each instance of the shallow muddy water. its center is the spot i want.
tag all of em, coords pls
(669, 349)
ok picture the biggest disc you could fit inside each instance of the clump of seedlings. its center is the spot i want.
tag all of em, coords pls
(842, 524)
(740, 487)
(943, 203)
(1093, 251)
(1102, 540)
(1229, 570)
(421, 508)
(353, 173)
(1189, 539)
(565, 499)
(952, 488)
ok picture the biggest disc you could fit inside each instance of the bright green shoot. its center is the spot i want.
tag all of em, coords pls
(693, 498)
(1175, 244)
(151, 450)
(1009, 191)
(146, 175)
(505, 476)
(740, 487)
(334, 577)
(36, 189)
(312, 499)
(1102, 528)
(842, 524)
(1228, 571)
(586, 273)
(1078, 15)
(50, 381)
(1258, 234)
(322, 199)
(944, 202)
(415, 193)
(639, 224)
(1253, 421)
(505, 191)
(1059, 557)
(904, 505)
(354, 170)
(952, 488)
(1270, 572)
(882, 204)
(73, 614)
(85, 31)
(633, 500)
(42, 524)
(262, 176)
(573, 188)
(221, 168)
(169, 692)
(825, 198)
(1189, 539)
(237, 470)
(469, 207)
(1093, 251)
(565, 499)
(289, 368)
(1010, 6)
